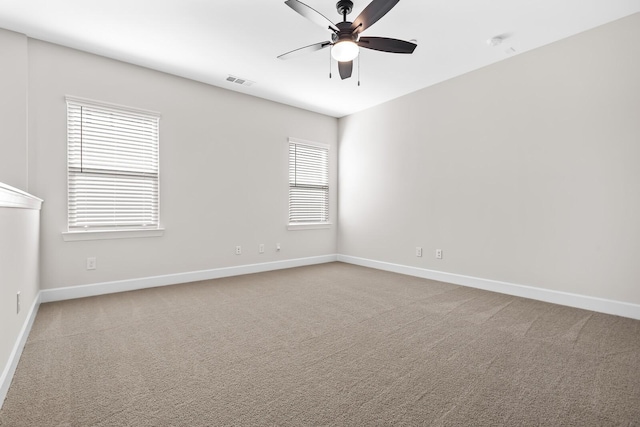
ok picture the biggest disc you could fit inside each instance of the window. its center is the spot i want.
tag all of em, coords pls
(112, 167)
(308, 184)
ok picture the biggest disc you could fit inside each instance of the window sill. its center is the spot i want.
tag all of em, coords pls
(75, 236)
(309, 226)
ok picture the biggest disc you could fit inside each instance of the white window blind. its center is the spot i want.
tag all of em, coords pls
(113, 169)
(308, 182)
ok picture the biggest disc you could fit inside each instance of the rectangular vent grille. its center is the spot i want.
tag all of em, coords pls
(240, 81)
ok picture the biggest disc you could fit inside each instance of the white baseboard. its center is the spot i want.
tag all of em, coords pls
(48, 295)
(601, 305)
(72, 292)
(16, 352)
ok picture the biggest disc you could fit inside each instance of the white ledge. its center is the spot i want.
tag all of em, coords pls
(11, 197)
(309, 226)
(75, 236)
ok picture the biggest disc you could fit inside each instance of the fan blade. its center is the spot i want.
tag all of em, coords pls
(384, 44)
(345, 69)
(306, 49)
(372, 13)
(311, 14)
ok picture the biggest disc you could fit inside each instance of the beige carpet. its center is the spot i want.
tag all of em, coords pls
(333, 344)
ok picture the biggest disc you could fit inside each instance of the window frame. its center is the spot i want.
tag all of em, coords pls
(308, 225)
(72, 234)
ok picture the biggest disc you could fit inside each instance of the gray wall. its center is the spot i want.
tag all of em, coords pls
(13, 109)
(223, 166)
(525, 171)
(18, 227)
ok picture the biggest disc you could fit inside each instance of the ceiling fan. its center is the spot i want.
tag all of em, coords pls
(345, 36)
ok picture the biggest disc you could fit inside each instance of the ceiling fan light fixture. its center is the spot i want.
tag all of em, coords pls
(345, 51)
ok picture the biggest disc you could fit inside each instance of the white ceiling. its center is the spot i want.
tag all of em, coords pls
(207, 40)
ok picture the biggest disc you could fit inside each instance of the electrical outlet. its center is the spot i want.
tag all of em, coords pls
(277, 247)
(18, 303)
(439, 253)
(418, 251)
(261, 248)
(238, 250)
(91, 263)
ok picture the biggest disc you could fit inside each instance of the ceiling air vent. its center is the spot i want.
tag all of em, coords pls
(238, 80)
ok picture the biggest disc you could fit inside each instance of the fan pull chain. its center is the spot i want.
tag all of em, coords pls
(359, 59)
(330, 61)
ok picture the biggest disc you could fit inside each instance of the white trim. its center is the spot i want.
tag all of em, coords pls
(309, 226)
(11, 197)
(585, 302)
(14, 357)
(81, 291)
(72, 292)
(48, 295)
(75, 236)
(110, 105)
(309, 143)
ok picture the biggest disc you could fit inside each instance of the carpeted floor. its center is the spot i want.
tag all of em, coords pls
(332, 344)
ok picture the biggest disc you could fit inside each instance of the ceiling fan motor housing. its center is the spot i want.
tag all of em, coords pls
(345, 34)
(344, 7)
